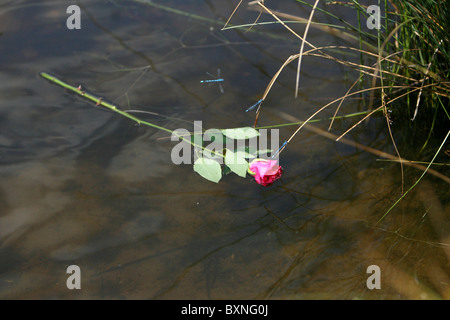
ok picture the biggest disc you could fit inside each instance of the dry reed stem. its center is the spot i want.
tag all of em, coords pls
(342, 101)
(357, 145)
(378, 72)
(426, 73)
(380, 53)
(234, 11)
(232, 14)
(325, 106)
(384, 95)
(284, 25)
(300, 54)
(293, 57)
(345, 36)
(380, 107)
(323, 55)
(330, 30)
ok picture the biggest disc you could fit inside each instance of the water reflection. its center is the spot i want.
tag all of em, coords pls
(82, 186)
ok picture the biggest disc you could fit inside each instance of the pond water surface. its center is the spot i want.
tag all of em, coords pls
(84, 186)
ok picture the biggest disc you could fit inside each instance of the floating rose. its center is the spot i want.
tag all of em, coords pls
(265, 171)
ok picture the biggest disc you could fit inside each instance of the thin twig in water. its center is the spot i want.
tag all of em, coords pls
(297, 84)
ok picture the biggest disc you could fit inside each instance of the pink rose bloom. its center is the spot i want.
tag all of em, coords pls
(265, 171)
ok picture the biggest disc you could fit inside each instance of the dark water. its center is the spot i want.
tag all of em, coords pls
(83, 186)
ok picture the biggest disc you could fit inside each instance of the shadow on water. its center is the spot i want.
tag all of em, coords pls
(82, 186)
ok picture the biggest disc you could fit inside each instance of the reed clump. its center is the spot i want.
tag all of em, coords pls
(404, 65)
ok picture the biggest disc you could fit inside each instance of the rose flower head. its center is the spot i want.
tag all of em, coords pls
(265, 171)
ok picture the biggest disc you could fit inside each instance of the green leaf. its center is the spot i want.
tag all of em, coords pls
(241, 133)
(208, 169)
(236, 163)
